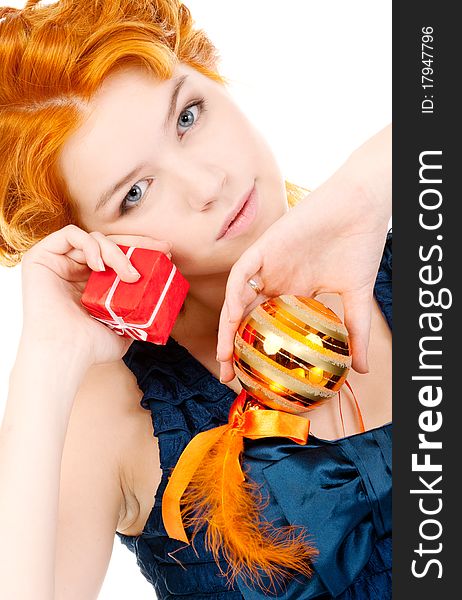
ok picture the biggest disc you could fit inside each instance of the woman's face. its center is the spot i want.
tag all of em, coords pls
(181, 179)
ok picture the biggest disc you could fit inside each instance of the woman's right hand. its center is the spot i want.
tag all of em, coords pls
(54, 275)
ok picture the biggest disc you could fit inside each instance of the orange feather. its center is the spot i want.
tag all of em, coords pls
(228, 507)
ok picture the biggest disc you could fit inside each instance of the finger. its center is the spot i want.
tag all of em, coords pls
(137, 241)
(357, 309)
(226, 333)
(115, 257)
(53, 247)
(227, 328)
(249, 298)
(258, 300)
(237, 289)
(79, 256)
(225, 346)
(142, 241)
(227, 373)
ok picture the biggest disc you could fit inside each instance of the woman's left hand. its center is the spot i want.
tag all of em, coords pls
(331, 242)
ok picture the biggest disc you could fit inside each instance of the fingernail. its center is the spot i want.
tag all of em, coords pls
(133, 271)
(101, 264)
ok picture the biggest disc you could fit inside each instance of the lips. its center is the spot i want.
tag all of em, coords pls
(234, 213)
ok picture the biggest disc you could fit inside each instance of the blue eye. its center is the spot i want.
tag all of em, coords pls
(135, 195)
(188, 118)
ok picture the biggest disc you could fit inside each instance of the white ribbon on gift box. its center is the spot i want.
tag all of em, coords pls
(134, 330)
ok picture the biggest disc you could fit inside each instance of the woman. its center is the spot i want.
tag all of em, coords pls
(66, 143)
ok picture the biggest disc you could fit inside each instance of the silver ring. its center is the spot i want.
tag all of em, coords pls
(254, 285)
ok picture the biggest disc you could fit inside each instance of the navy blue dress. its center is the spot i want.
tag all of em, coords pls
(339, 490)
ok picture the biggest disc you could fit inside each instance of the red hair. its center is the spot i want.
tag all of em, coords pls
(53, 58)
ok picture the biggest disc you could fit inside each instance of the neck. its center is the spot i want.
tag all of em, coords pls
(201, 314)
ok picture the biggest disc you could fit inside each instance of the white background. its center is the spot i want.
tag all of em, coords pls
(315, 77)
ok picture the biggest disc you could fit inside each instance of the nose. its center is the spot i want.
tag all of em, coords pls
(200, 186)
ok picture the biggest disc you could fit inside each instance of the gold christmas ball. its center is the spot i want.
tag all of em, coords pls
(291, 353)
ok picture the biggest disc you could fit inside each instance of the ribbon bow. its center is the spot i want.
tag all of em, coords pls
(120, 327)
(345, 503)
(249, 421)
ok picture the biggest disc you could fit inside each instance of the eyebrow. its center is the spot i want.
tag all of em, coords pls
(106, 196)
(173, 99)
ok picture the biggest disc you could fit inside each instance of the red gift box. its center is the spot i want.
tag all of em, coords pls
(144, 310)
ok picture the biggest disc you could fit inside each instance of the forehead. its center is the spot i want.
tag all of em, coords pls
(128, 82)
(122, 97)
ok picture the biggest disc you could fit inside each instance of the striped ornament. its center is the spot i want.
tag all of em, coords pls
(291, 353)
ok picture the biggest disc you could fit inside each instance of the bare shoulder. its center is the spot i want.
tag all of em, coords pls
(106, 406)
(108, 418)
(109, 389)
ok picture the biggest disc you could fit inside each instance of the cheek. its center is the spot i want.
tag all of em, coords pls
(249, 151)
(231, 138)
(189, 264)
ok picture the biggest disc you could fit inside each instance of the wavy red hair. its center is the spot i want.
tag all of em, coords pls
(53, 58)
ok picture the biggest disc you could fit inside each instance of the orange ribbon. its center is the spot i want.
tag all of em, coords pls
(252, 424)
(362, 429)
